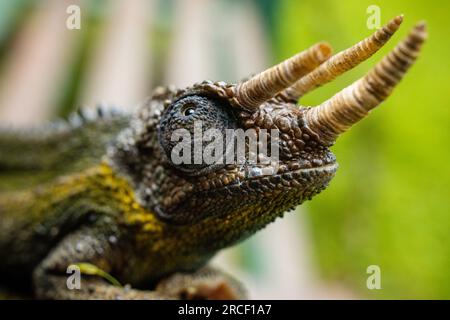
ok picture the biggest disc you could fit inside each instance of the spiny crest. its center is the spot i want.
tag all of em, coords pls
(86, 114)
(76, 119)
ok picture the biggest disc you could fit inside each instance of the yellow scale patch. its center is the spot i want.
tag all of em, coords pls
(100, 184)
(120, 190)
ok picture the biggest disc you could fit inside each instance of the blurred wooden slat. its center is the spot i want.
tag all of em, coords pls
(119, 72)
(190, 58)
(36, 66)
(247, 40)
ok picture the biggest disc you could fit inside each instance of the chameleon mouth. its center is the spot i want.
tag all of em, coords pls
(293, 178)
(270, 180)
(291, 188)
(332, 167)
(293, 167)
(303, 182)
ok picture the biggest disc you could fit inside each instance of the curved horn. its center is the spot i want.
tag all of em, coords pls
(342, 61)
(347, 107)
(265, 85)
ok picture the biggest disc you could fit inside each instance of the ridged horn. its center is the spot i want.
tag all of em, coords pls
(265, 85)
(352, 104)
(342, 62)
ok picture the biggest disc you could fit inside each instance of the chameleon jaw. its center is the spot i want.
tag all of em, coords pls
(295, 185)
(271, 180)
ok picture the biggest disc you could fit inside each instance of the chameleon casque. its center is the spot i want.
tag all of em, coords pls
(102, 193)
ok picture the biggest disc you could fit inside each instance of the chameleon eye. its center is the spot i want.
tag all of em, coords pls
(185, 113)
(188, 109)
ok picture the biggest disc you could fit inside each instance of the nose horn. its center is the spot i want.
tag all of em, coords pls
(338, 114)
(265, 85)
(342, 61)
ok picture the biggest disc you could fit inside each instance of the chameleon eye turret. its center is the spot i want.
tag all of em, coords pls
(182, 119)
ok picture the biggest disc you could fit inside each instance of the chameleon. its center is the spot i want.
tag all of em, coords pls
(101, 191)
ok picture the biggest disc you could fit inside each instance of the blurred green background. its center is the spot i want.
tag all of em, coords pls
(388, 204)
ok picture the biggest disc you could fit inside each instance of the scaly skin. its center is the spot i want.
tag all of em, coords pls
(106, 195)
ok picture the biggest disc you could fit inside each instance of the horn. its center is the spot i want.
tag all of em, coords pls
(352, 104)
(265, 85)
(342, 62)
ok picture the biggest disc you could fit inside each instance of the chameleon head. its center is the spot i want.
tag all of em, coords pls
(256, 192)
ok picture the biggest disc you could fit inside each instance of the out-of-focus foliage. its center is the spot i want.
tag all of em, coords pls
(389, 203)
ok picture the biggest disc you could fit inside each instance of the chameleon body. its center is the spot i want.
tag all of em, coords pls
(102, 193)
